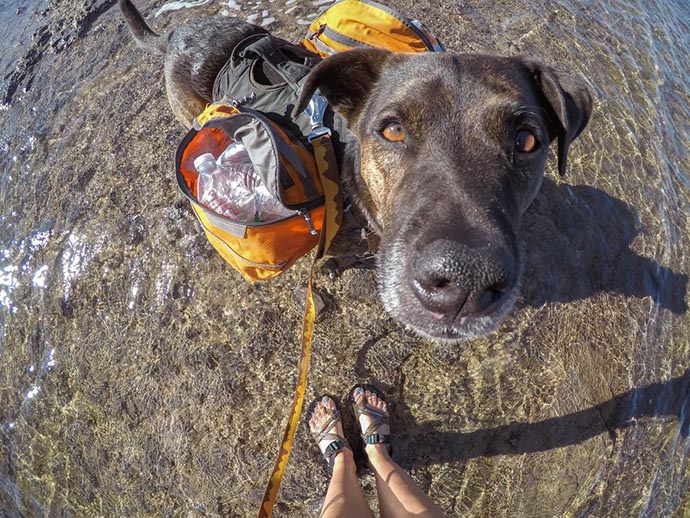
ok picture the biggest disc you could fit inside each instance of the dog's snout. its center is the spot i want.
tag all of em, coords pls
(452, 279)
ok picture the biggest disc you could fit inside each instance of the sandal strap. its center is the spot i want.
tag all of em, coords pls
(378, 418)
(374, 426)
(323, 430)
(333, 449)
(372, 412)
(333, 437)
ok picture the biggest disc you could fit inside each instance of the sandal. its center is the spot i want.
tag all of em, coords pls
(338, 443)
(378, 417)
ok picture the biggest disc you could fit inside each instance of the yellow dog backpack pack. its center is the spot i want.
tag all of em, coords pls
(350, 24)
(294, 157)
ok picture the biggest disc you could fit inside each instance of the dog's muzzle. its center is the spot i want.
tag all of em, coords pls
(452, 280)
(450, 290)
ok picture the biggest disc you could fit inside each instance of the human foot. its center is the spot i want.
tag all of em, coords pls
(371, 410)
(323, 420)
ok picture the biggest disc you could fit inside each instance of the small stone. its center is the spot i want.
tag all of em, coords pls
(299, 297)
(360, 284)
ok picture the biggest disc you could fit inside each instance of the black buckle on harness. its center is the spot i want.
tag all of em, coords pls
(318, 32)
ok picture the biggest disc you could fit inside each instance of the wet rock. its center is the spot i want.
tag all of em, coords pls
(299, 297)
(65, 308)
(133, 229)
(83, 179)
(360, 284)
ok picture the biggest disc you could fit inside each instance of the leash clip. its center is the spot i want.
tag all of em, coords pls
(315, 110)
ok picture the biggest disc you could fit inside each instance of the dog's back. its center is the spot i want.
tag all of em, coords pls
(194, 52)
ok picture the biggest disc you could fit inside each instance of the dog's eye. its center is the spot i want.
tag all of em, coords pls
(393, 132)
(525, 141)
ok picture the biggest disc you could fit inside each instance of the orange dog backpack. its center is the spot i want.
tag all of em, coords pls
(298, 162)
(258, 250)
(283, 153)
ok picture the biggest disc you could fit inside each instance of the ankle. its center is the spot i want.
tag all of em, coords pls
(377, 453)
(344, 458)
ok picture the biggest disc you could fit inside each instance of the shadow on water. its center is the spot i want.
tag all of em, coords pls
(667, 399)
(588, 236)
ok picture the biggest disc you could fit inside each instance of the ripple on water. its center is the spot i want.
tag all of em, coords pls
(176, 6)
(17, 263)
(76, 256)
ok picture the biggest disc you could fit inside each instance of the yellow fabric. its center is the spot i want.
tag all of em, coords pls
(265, 251)
(333, 207)
(216, 110)
(368, 24)
(296, 408)
(332, 191)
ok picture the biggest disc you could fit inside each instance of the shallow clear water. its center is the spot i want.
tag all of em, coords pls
(140, 376)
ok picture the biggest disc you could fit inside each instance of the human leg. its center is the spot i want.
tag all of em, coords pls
(399, 496)
(344, 497)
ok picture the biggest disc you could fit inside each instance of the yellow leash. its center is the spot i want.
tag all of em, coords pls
(333, 216)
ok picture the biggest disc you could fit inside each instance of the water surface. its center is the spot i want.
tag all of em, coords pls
(141, 376)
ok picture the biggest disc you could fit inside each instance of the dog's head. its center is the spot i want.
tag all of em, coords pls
(450, 151)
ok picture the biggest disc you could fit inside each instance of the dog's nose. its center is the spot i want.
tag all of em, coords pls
(451, 279)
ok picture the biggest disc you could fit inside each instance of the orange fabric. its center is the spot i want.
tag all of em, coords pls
(266, 250)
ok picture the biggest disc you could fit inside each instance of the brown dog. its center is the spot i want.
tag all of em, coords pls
(445, 152)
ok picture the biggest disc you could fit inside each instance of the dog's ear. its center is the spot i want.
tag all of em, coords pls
(570, 102)
(344, 79)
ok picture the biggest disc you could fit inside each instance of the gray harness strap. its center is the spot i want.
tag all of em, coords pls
(266, 49)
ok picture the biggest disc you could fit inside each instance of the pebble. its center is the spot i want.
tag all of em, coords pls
(299, 295)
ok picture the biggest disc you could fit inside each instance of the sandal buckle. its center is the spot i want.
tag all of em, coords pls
(376, 438)
(333, 447)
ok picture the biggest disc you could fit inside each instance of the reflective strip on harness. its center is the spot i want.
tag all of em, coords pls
(236, 229)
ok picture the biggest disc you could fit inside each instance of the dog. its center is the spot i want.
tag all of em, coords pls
(444, 154)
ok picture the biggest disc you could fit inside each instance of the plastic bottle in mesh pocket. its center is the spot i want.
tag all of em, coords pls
(224, 190)
(235, 158)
